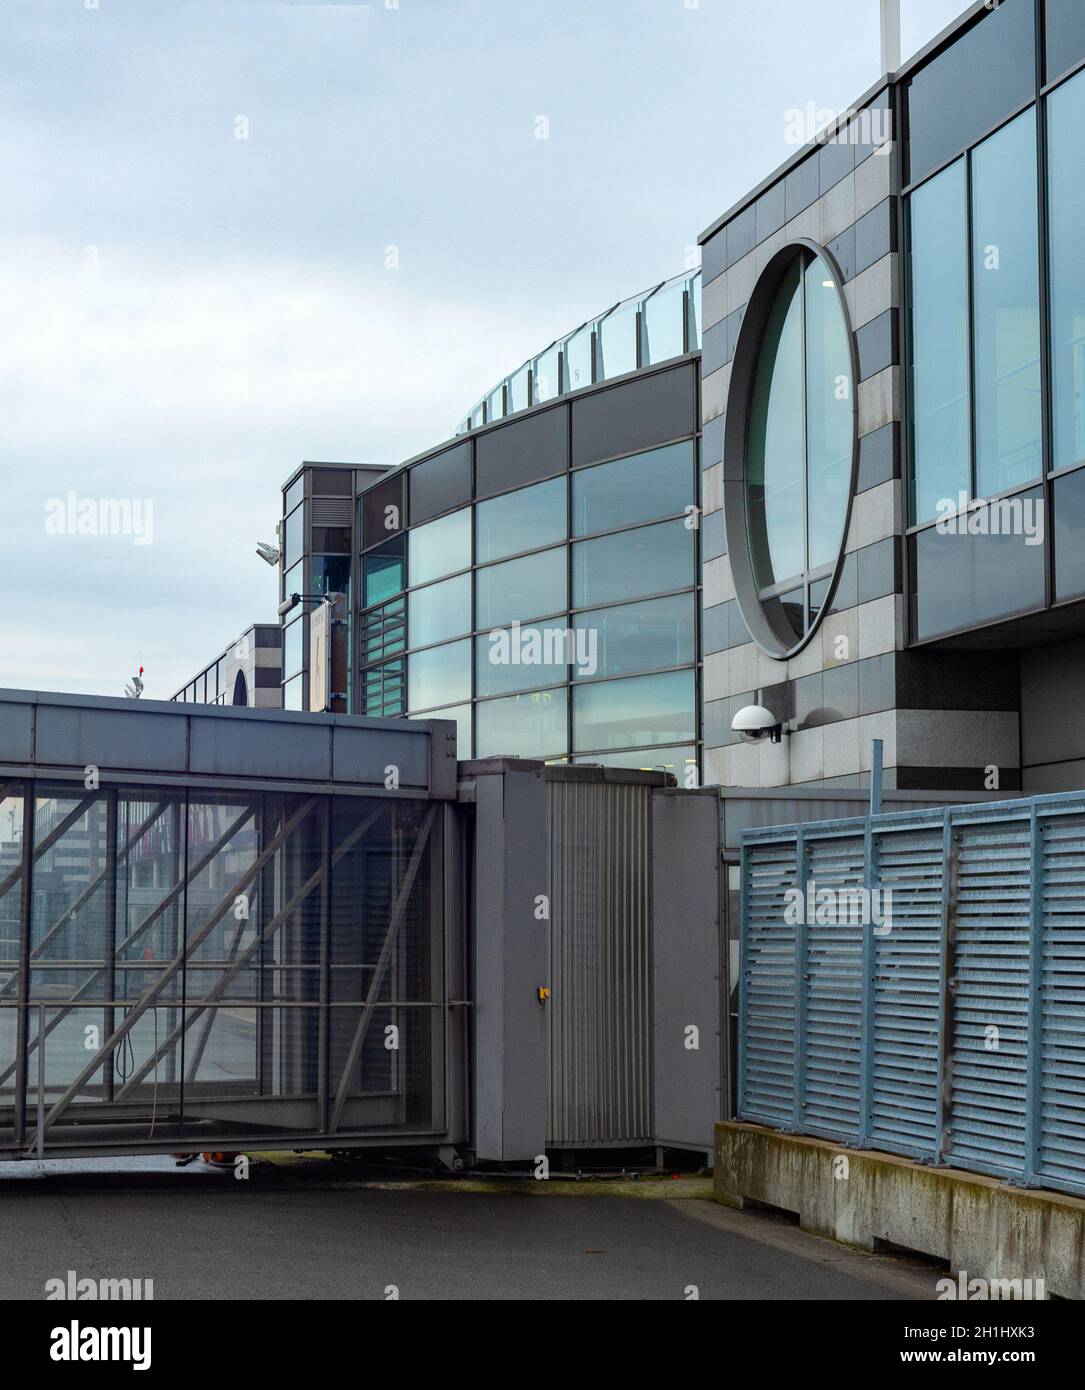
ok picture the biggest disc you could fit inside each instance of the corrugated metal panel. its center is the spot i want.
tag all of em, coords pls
(767, 991)
(331, 511)
(599, 1018)
(1061, 1145)
(907, 990)
(832, 972)
(990, 990)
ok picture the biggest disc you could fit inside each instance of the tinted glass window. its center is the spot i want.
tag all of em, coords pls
(527, 588)
(331, 574)
(636, 636)
(526, 659)
(441, 483)
(293, 495)
(634, 713)
(440, 675)
(622, 493)
(294, 693)
(294, 580)
(830, 427)
(1065, 35)
(1066, 123)
(385, 571)
(441, 547)
(332, 482)
(382, 510)
(521, 452)
(649, 560)
(523, 726)
(1069, 529)
(968, 88)
(964, 580)
(1005, 271)
(633, 416)
(440, 611)
(939, 323)
(676, 761)
(462, 716)
(292, 648)
(294, 531)
(522, 520)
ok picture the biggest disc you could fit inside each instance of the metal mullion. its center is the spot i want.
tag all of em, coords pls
(22, 1020)
(971, 288)
(970, 147)
(1046, 354)
(109, 1019)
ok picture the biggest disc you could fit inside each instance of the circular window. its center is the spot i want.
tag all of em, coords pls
(791, 448)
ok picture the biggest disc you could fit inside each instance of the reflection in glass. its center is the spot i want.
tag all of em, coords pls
(677, 761)
(385, 571)
(1005, 262)
(618, 341)
(829, 415)
(655, 484)
(522, 520)
(292, 648)
(517, 390)
(939, 328)
(578, 359)
(440, 676)
(629, 564)
(520, 589)
(440, 547)
(440, 611)
(462, 715)
(638, 712)
(1069, 508)
(544, 376)
(294, 537)
(663, 325)
(535, 656)
(638, 636)
(524, 726)
(1066, 122)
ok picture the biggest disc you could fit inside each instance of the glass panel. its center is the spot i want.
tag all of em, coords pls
(384, 689)
(440, 611)
(518, 589)
(293, 495)
(332, 540)
(294, 693)
(786, 613)
(618, 342)
(980, 78)
(635, 637)
(1065, 35)
(939, 325)
(462, 715)
(679, 762)
(439, 676)
(495, 403)
(523, 726)
(775, 465)
(544, 376)
(331, 575)
(648, 709)
(521, 520)
(385, 570)
(440, 547)
(292, 648)
(522, 658)
(517, 390)
(663, 323)
(830, 398)
(964, 580)
(578, 359)
(294, 580)
(294, 532)
(1069, 503)
(695, 314)
(649, 560)
(622, 493)
(1005, 262)
(441, 483)
(1066, 123)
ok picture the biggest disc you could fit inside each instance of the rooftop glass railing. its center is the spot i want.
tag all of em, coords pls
(662, 323)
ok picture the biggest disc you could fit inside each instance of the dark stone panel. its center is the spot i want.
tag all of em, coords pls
(875, 235)
(712, 443)
(268, 637)
(847, 591)
(741, 233)
(738, 633)
(266, 676)
(714, 256)
(713, 537)
(879, 457)
(877, 683)
(714, 352)
(878, 343)
(376, 516)
(866, 146)
(331, 482)
(717, 723)
(840, 693)
(836, 161)
(802, 186)
(879, 569)
(441, 483)
(808, 700)
(715, 622)
(842, 250)
(958, 680)
(637, 415)
(769, 212)
(779, 698)
(522, 452)
(954, 779)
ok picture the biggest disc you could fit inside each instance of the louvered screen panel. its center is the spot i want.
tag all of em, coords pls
(768, 1053)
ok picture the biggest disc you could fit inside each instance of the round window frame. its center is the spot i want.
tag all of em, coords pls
(740, 393)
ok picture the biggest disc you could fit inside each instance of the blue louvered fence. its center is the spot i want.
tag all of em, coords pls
(957, 1036)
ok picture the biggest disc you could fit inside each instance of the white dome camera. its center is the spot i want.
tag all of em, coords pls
(754, 723)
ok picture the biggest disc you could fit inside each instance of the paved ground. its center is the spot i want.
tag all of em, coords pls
(319, 1232)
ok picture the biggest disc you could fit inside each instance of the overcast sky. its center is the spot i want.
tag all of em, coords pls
(186, 315)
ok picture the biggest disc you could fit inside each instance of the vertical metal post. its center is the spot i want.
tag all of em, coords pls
(22, 1024)
(876, 776)
(324, 1012)
(950, 856)
(1034, 1037)
(866, 985)
(41, 1080)
(802, 932)
(890, 35)
(109, 1020)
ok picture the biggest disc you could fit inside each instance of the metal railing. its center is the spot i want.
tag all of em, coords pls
(915, 982)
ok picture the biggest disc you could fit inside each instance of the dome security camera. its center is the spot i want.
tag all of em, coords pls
(754, 723)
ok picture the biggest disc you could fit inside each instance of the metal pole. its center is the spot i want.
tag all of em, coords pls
(41, 1080)
(890, 35)
(875, 776)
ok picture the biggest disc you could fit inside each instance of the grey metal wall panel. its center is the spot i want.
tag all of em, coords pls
(687, 973)
(599, 1019)
(77, 736)
(243, 748)
(17, 733)
(358, 757)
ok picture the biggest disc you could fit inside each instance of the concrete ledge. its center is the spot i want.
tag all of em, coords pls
(980, 1225)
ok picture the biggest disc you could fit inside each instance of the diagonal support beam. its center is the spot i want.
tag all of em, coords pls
(47, 842)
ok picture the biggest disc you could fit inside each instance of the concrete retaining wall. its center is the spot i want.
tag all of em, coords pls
(982, 1226)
